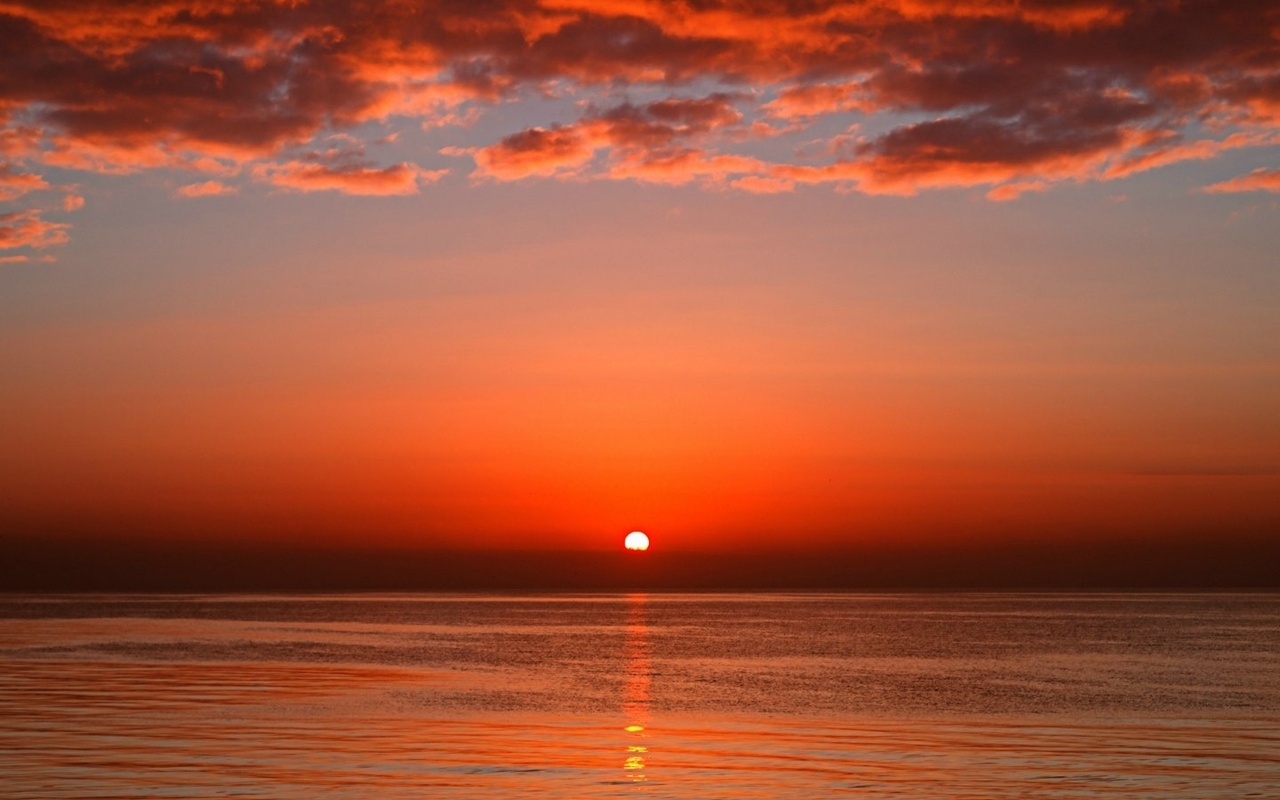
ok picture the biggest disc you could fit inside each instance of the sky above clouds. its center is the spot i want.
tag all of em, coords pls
(794, 270)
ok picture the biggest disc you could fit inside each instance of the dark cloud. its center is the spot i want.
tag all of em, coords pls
(646, 142)
(974, 92)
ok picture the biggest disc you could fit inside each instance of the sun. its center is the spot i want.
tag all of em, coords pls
(636, 541)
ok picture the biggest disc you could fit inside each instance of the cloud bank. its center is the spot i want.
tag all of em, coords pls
(903, 95)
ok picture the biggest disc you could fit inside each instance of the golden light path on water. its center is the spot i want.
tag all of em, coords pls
(635, 697)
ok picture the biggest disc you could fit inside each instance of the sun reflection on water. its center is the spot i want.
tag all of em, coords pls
(635, 692)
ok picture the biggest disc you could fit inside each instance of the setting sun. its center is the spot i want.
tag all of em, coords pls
(636, 541)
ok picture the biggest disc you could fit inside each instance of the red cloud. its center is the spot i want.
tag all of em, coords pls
(679, 167)
(1164, 150)
(1260, 180)
(18, 140)
(637, 132)
(1012, 191)
(536, 151)
(800, 102)
(399, 179)
(1002, 93)
(27, 229)
(647, 143)
(205, 189)
(14, 183)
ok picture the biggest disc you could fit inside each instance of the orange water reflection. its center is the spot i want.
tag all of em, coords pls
(462, 697)
(635, 692)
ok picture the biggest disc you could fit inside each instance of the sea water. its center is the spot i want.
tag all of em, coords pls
(641, 696)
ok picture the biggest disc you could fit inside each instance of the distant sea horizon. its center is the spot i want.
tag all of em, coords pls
(68, 563)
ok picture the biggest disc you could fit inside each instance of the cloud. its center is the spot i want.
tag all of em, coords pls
(757, 184)
(205, 189)
(1000, 94)
(1162, 154)
(17, 140)
(15, 183)
(1260, 180)
(28, 229)
(680, 166)
(647, 142)
(535, 151)
(1012, 191)
(303, 176)
(801, 102)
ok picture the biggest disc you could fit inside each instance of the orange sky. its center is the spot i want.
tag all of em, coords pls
(533, 274)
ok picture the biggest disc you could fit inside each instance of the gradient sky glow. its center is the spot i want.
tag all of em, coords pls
(512, 273)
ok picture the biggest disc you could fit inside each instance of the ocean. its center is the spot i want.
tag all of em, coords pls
(910, 695)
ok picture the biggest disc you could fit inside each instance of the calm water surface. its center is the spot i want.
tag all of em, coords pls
(642, 696)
